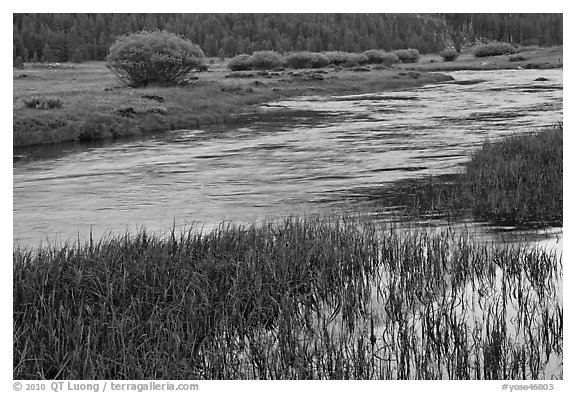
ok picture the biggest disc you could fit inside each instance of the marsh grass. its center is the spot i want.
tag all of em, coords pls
(513, 181)
(309, 297)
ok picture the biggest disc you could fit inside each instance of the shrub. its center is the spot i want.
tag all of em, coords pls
(390, 58)
(377, 56)
(306, 60)
(355, 59)
(408, 55)
(517, 58)
(43, 103)
(266, 60)
(240, 63)
(449, 54)
(336, 57)
(494, 49)
(153, 57)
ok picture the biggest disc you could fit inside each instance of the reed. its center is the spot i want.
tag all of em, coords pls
(305, 297)
(513, 181)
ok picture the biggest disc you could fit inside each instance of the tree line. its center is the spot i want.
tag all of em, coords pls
(80, 37)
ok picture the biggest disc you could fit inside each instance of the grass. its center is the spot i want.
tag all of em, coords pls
(513, 181)
(533, 58)
(90, 95)
(95, 107)
(310, 297)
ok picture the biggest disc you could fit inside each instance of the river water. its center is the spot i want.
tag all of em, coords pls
(297, 156)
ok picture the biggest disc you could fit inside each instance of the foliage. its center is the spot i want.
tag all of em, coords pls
(516, 58)
(336, 57)
(355, 59)
(494, 49)
(449, 54)
(18, 63)
(43, 103)
(266, 60)
(153, 57)
(240, 63)
(408, 55)
(306, 60)
(77, 57)
(233, 34)
(377, 56)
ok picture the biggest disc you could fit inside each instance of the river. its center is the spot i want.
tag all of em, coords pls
(273, 164)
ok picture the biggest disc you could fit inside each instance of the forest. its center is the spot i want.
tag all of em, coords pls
(85, 37)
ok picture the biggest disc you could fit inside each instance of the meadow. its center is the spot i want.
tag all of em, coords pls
(66, 102)
(93, 105)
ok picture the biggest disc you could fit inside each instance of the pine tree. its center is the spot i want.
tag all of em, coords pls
(49, 55)
(77, 56)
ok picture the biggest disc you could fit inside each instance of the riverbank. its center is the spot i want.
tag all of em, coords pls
(92, 106)
(301, 298)
(526, 58)
(88, 104)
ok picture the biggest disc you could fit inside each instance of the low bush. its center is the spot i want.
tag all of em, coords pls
(449, 54)
(355, 59)
(494, 49)
(408, 55)
(154, 57)
(43, 103)
(376, 56)
(266, 60)
(306, 60)
(336, 57)
(240, 63)
(516, 58)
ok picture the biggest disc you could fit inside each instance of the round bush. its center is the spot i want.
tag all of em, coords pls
(390, 59)
(142, 58)
(336, 57)
(408, 55)
(266, 60)
(306, 60)
(241, 62)
(355, 59)
(449, 54)
(494, 49)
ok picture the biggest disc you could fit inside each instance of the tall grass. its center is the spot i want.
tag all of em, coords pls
(513, 181)
(310, 297)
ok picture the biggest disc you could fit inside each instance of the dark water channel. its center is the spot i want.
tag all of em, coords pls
(299, 156)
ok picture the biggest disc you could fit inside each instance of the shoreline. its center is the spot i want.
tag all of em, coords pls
(94, 107)
(218, 97)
